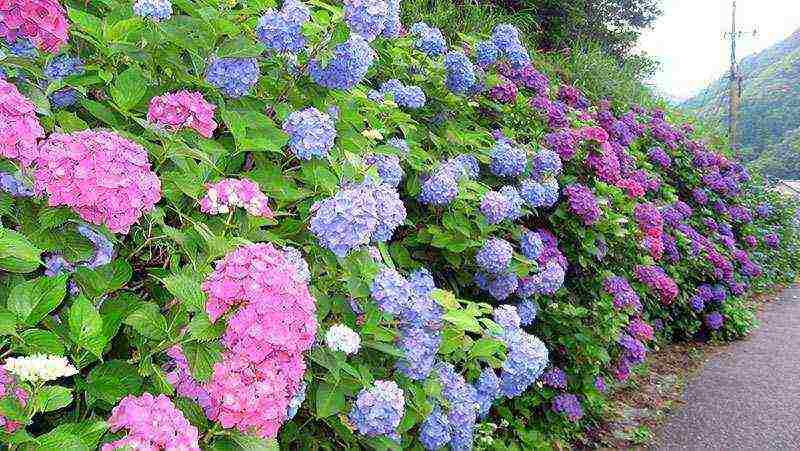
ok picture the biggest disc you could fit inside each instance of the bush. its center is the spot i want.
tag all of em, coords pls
(284, 233)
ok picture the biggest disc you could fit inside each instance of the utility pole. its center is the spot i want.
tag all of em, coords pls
(735, 79)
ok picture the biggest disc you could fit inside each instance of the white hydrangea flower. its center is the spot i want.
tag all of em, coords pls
(342, 338)
(40, 367)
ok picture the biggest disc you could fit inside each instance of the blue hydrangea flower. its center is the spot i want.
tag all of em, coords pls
(14, 186)
(527, 310)
(486, 53)
(515, 202)
(2, 74)
(552, 278)
(378, 411)
(233, 76)
(507, 317)
(406, 96)
(546, 163)
(103, 247)
(366, 18)
(569, 405)
(495, 256)
(296, 401)
(399, 144)
(56, 264)
(429, 40)
(505, 35)
(393, 25)
(388, 167)
(421, 281)
(533, 192)
(531, 245)
(526, 360)
(419, 346)
(463, 165)
(502, 286)
(282, 30)
(347, 67)
(507, 160)
(488, 390)
(517, 55)
(439, 189)
(495, 207)
(434, 433)
(155, 10)
(463, 406)
(295, 258)
(311, 133)
(63, 98)
(459, 72)
(345, 221)
(59, 68)
(550, 192)
(22, 48)
(391, 291)
(422, 311)
(391, 211)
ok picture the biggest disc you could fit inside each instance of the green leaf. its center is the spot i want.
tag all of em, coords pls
(186, 287)
(37, 341)
(193, 412)
(251, 443)
(70, 122)
(86, 326)
(86, 22)
(385, 348)
(32, 300)
(115, 310)
(12, 409)
(330, 400)
(52, 397)
(148, 321)
(102, 112)
(202, 329)
(485, 347)
(113, 380)
(105, 279)
(60, 440)
(89, 432)
(240, 47)
(17, 253)
(8, 322)
(463, 320)
(201, 358)
(129, 88)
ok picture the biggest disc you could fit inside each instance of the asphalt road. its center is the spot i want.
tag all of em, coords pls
(748, 396)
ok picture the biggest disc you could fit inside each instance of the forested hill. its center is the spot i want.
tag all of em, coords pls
(769, 121)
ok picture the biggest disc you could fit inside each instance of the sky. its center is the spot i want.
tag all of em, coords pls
(688, 39)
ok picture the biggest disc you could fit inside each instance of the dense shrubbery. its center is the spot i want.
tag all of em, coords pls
(429, 244)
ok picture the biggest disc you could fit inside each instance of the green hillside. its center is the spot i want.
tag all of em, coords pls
(769, 126)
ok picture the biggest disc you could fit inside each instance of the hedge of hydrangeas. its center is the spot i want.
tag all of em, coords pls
(244, 225)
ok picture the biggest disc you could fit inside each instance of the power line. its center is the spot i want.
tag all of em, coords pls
(735, 78)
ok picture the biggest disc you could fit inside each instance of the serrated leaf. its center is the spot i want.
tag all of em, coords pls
(115, 310)
(485, 347)
(11, 408)
(240, 47)
(129, 88)
(52, 397)
(202, 329)
(113, 380)
(86, 326)
(32, 300)
(37, 341)
(463, 320)
(186, 287)
(105, 279)
(60, 441)
(89, 432)
(330, 400)
(17, 253)
(148, 321)
(8, 322)
(201, 358)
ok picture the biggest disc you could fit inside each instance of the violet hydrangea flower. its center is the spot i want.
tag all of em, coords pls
(346, 68)
(568, 405)
(311, 133)
(234, 77)
(282, 30)
(583, 203)
(378, 410)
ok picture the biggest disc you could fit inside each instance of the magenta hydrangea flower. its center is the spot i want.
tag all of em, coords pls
(104, 177)
(623, 294)
(262, 367)
(183, 109)
(19, 127)
(9, 387)
(640, 330)
(656, 279)
(226, 194)
(43, 22)
(152, 422)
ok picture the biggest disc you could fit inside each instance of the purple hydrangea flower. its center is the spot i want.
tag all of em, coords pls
(658, 156)
(546, 163)
(531, 245)
(700, 196)
(419, 346)
(555, 377)
(764, 210)
(439, 189)
(282, 30)
(568, 405)
(502, 286)
(623, 294)
(311, 133)
(507, 160)
(347, 67)
(378, 410)
(495, 207)
(527, 310)
(772, 240)
(103, 247)
(495, 256)
(429, 40)
(600, 384)
(460, 73)
(714, 320)
(583, 203)
(233, 76)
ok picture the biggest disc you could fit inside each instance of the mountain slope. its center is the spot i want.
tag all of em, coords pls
(769, 118)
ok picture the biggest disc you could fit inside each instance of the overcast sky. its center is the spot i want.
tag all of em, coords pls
(688, 40)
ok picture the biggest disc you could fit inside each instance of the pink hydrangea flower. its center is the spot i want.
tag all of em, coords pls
(19, 127)
(153, 423)
(7, 387)
(44, 22)
(228, 193)
(263, 366)
(105, 178)
(596, 134)
(181, 109)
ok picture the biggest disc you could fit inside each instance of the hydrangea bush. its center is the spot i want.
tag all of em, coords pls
(260, 225)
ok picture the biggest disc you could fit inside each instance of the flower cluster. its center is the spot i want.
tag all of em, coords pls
(262, 365)
(623, 294)
(407, 96)
(460, 73)
(8, 387)
(105, 178)
(347, 67)
(651, 225)
(19, 127)
(388, 168)
(378, 410)
(555, 378)
(658, 156)
(183, 109)
(41, 22)
(311, 133)
(507, 39)
(14, 185)
(221, 197)
(59, 68)
(429, 40)
(233, 76)
(568, 405)
(656, 279)
(39, 368)
(155, 10)
(582, 203)
(180, 377)
(507, 160)
(282, 30)
(495, 256)
(441, 187)
(342, 338)
(366, 18)
(356, 216)
(504, 92)
(526, 360)
(151, 422)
